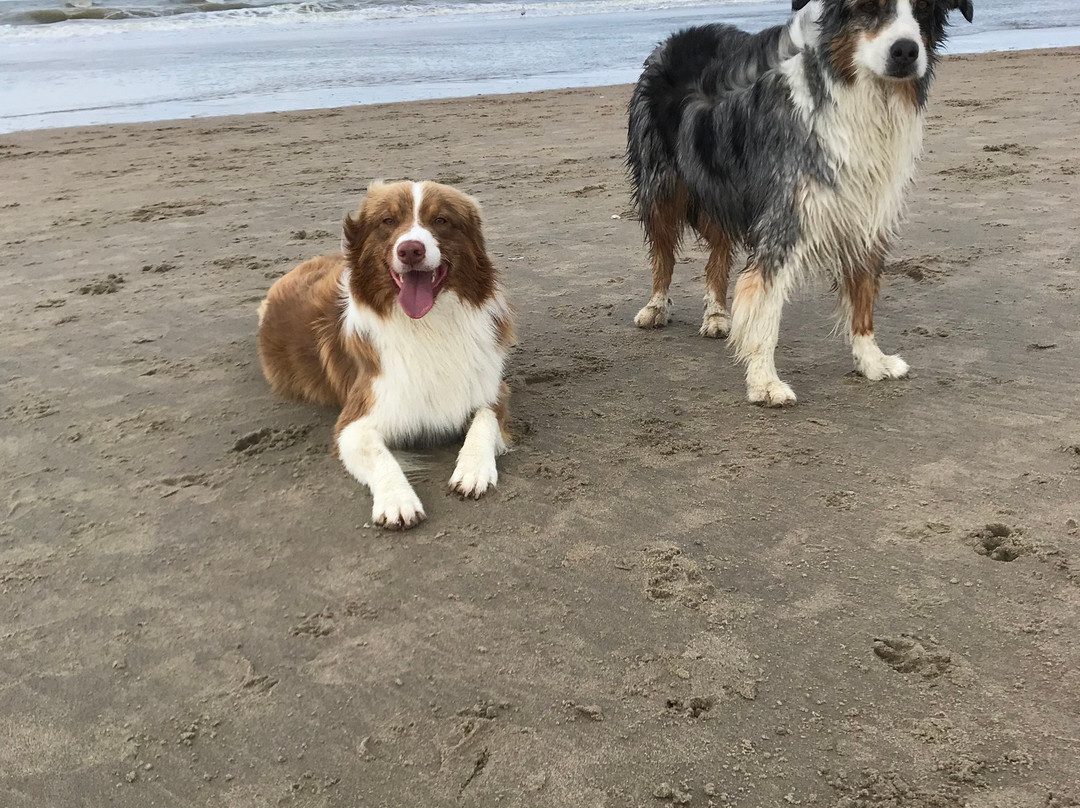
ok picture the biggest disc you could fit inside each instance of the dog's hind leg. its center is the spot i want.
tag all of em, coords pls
(663, 230)
(755, 329)
(476, 471)
(858, 292)
(716, 322)
(367, 458)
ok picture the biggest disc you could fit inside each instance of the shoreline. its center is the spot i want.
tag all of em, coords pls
(178, 75)
(533, 86)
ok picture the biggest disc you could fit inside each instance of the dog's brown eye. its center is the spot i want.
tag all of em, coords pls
(869, 7)
(440, 220)
(389, 220)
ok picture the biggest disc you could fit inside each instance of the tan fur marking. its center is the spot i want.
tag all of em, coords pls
(360, 400)
(843, 48)
(505, 331)
(718, 266)
(861, 288)
(842, 52)
(874, 31)
(861, 291)
(879, 23)
(663, 231)
(749, 286)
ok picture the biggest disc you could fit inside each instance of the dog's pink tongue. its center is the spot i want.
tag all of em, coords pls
(416, 295)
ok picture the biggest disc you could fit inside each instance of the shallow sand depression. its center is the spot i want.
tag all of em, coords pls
(674, 597)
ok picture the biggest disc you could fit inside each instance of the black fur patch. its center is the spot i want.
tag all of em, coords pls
(712, 112)
(710, 59)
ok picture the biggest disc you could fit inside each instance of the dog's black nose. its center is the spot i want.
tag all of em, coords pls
(904, 52)
(411, 252)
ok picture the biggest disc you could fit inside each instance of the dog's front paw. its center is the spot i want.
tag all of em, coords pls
(715, 326)
(774, 393)
(397, 509)
(655, 315)
(474, 476)
(883, 367)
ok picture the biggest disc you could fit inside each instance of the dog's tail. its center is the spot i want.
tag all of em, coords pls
(654, 113)
(262, 309)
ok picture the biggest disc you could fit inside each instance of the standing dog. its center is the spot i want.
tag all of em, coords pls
(797, 144)
(407, 332)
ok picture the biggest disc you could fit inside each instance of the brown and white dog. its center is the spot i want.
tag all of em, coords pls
(407, 331)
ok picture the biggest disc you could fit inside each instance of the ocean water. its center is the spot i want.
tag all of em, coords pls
(76, 62)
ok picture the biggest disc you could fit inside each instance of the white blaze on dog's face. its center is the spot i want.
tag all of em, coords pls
(416, 261)
(891, 40)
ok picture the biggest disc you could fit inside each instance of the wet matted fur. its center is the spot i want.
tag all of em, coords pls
(797, 144)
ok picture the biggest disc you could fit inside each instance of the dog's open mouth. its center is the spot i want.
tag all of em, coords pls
(417, 289)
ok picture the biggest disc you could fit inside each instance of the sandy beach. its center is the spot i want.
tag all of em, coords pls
(871, 600)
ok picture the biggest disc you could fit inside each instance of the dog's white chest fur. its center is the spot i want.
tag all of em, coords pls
(435, 372)
(872, 138)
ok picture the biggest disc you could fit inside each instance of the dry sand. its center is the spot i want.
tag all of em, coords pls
(673, 597)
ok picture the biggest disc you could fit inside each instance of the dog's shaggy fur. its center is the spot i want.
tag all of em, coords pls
(796, 144)
(406, 331)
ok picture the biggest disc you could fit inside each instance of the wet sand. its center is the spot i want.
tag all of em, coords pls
(870, 599)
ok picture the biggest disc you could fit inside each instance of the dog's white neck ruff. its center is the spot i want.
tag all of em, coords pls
(435, 372)
(872, 139)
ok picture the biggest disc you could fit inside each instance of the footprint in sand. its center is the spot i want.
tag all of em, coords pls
(908, 653)
(999, 542)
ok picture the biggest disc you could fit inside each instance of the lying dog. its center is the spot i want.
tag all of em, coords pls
(797, 144)
(407, 332)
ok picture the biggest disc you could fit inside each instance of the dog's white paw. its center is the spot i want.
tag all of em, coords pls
(872, 363)
(773, 393)
(397, 509)
(883, 367)
(716, 325)
(655, 315)
(474, 475)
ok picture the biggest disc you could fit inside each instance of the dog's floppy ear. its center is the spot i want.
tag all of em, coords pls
(352, 233)
(966, 8)
(798, 5)
(355, 228)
